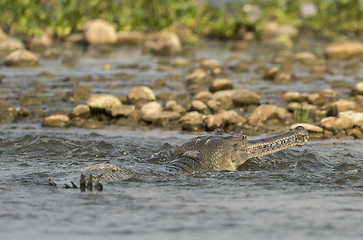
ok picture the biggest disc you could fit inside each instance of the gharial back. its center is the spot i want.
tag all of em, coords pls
(207, 153)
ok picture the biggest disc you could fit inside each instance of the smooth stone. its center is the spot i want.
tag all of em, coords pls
(124, 110)
(244, 97)
(163, 43)
(21, 57)
(3, 35)
(304, 56)
(340, 106)
(271, 73)
(212, 122)
(344, 49)
(40, 43)
(199, 106)
(57, 120)
(309, 127)
(182, 62)
(328, 122)
(294, 97)
(81, 111)
(103, 101)
(220, 84)
(214, 105)
(10, 45)
(140, 95)
(7, 113)
(198, 76)
(165, 115)
(266, 112)
(358, 89)
(316, 99)
(342, 123)
(151, 108)
(93, 124)
(192, 121)
(203, 96)
(211, 64)
(99, 32)
(230, 117)
(355, 117)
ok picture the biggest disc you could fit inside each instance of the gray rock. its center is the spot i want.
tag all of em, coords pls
(21, 58)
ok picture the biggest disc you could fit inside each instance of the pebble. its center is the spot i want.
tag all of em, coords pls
(57, 120)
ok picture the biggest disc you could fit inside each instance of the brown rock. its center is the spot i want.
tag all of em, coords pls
(294, 97)
(132, 37)
(304, 56)
(271, 73)
(124, 110)
(81, 111)
(151, 108)
(232, 118)
(21, 58)
(192, 121)
(3, 36)
(358, 89)
(203, 96)
(212, 122)
(10, 45)
(340, 106)
(163, 43)
(57, 120)
(93, 124)
(214, 105)
(198, 76)
(244, 97)
(162, 116)
(140, 95)
(40, 43)
(355, 117)
(308, 127)
(103, 102)
(99, 32)
(343, 123)
(316, 99)
(211, 64)
(266, 112)
(220, 84)
(7, 113)
(199, 106)
(328, 122)
(344, 49)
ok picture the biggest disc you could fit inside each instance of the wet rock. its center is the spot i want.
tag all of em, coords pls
(267, 112)
(214, 106)
(220, 84)
(224, 97)
(340, 106)
(294, 97)
(244, 97)
(342, 123)
(198, 76)
(40, 43)
(232, 118)
(102, 102)
(166, 95)
(182, 62)
(161, 118)
(308, 127)
(192, 121)
(271, 73)
(358, 89)
(212, 122)
(81, 111)
(124, 110)
(344, 49)
(57, 120)
(10, 45)
(329, 94)
(197, 105)
(99, 32)
(328, 122)
(211, 64)
(203, 96)
(140, 95)
(132, 37)
(316, 99)
(285, 77)
(356, 133)
(163, 44)
(21, 58)
(174, 107)
(7, 113)
(151, 108)
(93, 124)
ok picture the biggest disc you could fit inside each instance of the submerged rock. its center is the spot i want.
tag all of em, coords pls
(99, 32)
(21, 58)
(57, 120)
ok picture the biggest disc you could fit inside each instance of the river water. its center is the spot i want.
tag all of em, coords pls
(309, 192)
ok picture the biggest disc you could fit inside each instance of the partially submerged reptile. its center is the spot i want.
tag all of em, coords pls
(217, 151)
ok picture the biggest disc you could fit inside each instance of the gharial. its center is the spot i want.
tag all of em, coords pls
(217, 151)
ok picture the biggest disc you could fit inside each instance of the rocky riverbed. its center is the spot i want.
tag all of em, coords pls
(100, 77)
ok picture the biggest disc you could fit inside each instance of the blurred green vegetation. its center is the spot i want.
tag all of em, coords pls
(190, 18)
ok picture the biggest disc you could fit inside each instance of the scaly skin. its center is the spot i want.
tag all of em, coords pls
(214, 152)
